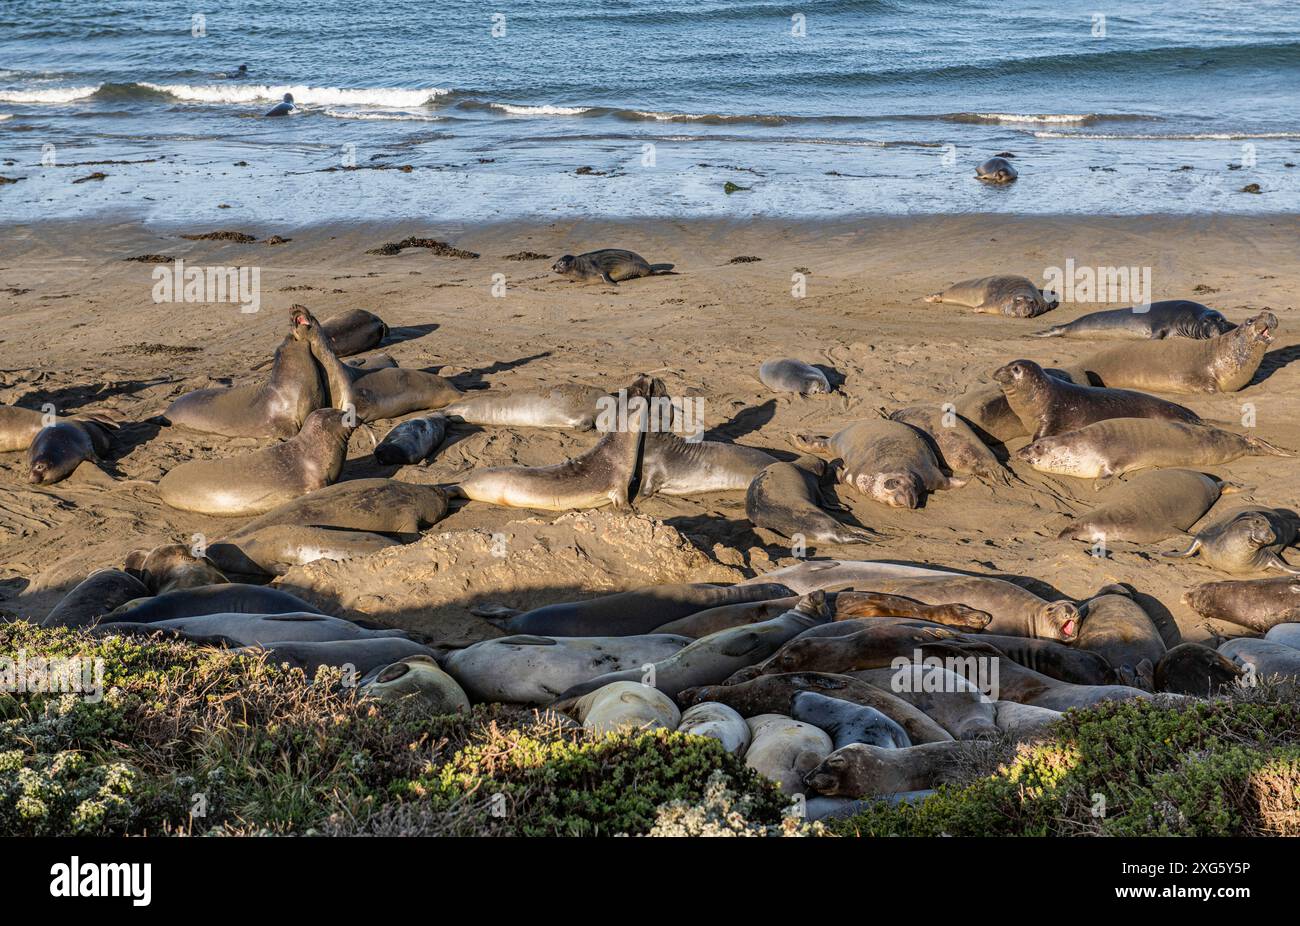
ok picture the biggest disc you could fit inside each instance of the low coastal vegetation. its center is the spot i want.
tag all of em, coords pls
(189, 739)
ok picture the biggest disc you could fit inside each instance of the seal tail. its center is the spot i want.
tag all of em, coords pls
(1055, 331)
(661, 268)
(1264, 448)
(934, 297)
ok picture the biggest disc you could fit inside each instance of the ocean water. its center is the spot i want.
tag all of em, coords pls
(557, 108)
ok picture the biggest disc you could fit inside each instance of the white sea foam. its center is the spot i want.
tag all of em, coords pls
(515, 110)
(53, 95)
(1192, 136)
(302, 94)
(382, 116)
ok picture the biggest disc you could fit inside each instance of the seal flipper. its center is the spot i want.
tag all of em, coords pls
(661, 268)
(1265, 448)
(814, 443)
(604, 275)
(494, 613)
(1273, 561)
(1190, 551)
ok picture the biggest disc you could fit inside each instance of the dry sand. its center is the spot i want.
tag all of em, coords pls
(78, 328)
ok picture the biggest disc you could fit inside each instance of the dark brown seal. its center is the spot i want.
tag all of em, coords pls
(1259, 604)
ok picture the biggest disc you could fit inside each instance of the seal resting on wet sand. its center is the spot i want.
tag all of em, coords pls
(611, 265)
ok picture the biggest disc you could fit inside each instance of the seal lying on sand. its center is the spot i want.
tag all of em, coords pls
(359, 656)
(1246, 541)
(412, 440)
(1172, 318)
(18, 427)
(1118, 629)
(787, 498)
(1147, 508)
(95, 596)
(1259, 604)
(603, 475)
(1016, 611)
(671, 465)
(986, 410)
(354, 332)
(60, 448)
(996, 170)
(1224, 363)
(417, 677)
(611, 265)
(784, 749)
(839, 653)
(790, 375)
(525, 669)
(951, 700)
(719, 722)
(834, 575)
(998, 295)
(276, 549)
(1121, 445)
(623, 705)
(956, 445)
(384, 506)
(886, 461)
(870, 771)
(275, 408)
(1286, 634)
(231, 598)
(1055, 660)
(171, 567)
(1195, 669)
(1047, 406)
(571, 405)
(257, 629)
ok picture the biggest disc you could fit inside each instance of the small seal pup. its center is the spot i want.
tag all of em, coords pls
(282, 108)
(870, 771)
(527, 669)
(1121, 445)
(1047, 406)
(612, 265)
(420, 678)
(354, 332)
(1223, 363)
(955, 444)
(886, 461)
(787, 498)
(996, 170)
(998, 295)
(784, 749)
(717, 721)
(789, 375)
(1016, 611)
(621, 705)
(412, 440)
(846, 722)
(1171, 318)
(1245, 542)
(1148, 508)
(571, 405)
(230, 598)
(1195, 669)
(275, 408)
(1120, 630)
(95, 596)
(59, 448)
(603, 475)
(1260, 604)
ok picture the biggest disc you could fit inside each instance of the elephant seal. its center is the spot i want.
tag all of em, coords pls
(783, 750)
(623, 705)
(711, 620)
(612, 265)
(571, 405)
(1047, 406)
(855, 605)
(1264, 660)
(1171, 318)
(1020, 721)
(1195, 669)
(719, 722)
(955, 444)
(393, 392)
(1147, 508)
(1055, 660)
(986, 410)
(412, 440)
(18, 427)
(786, 498)
(605, 474)
(276, 408)
(525, 669)
(1245, 542)
(383, 506)
(1223, 363)
(833, 574)
(258, 482)
(231, 598)
(170, 567)
(996, 170)
(947, 697)
(282, 108)
(711, 659)
(789, 375)
(878, 644)
(998, 295)
(1286, 634)
(673, 466)
(774, 694)
(418, 678)
(275, 550)
(869, 771)
(886, 461)
(59, 448)
(1016, 611)
(846, 722)
(1260, 604)
(360, 656)
(257, 629)
(1122, 445)
(354, 332)
(1118, 629)
(629, 613)
(95, 596)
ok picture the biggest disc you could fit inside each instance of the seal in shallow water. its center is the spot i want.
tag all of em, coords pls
(1172, 318)
(996, 170)
(611, 265)
(886, 461)
(998, 295)
(1245, 542)
(789, 375)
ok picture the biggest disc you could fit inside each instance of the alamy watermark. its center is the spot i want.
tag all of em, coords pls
(239, 285)
(23, 674)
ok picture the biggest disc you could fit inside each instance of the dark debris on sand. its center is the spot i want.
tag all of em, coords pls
(439, 248)
(4, 180)
(240, 237)
(527, 255)
(152, 258)
(97, 175)
(276, 239)
(153, 350)
(744, 259)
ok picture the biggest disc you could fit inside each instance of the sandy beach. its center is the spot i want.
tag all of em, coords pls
(79, 329)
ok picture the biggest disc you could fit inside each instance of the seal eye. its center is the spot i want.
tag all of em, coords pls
(891, 483)
(836, 762)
